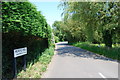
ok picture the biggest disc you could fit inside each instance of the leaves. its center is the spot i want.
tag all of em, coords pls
(23, 16)
(89, 20)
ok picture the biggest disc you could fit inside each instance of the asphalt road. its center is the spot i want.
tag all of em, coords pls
(73, 62)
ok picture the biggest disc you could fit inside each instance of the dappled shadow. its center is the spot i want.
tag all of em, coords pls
(67, 50)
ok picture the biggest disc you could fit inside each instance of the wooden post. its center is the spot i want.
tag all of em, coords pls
(17, 53)
(15, 68)
(24, 62)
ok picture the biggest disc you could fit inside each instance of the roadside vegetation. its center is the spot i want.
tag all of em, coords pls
(35, 70)
(24, 26)
(58, 33)
(85, 25)
(89, 25)
(113, 53)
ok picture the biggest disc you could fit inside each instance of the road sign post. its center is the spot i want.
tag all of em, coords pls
(15, 68)
(17, 53)
(24, 62)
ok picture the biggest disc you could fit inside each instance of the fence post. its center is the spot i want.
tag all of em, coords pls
(15, 68)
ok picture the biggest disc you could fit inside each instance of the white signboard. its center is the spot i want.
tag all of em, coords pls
(20, 52)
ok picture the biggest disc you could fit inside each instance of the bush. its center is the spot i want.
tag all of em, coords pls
(56, 39)
(35, 70)
(23, 17)
(22, 26)
(35, 46)
(113, 53)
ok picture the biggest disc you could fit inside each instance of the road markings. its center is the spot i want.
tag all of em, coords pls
(101, 75)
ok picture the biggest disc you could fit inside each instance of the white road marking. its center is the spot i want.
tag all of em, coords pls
(102, 75)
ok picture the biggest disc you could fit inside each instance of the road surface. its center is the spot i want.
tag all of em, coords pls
(73, 62)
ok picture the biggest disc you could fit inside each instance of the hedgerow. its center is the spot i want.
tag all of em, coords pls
(23, 17)
(22, 25)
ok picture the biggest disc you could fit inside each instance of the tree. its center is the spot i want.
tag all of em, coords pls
(96, 19)
(58, 31)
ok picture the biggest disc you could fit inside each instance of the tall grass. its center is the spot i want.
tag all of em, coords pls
(36, 70)
(113, 53)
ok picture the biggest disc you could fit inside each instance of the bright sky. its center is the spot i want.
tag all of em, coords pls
(50, 10)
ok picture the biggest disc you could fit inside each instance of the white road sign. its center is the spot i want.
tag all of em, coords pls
(20, 52)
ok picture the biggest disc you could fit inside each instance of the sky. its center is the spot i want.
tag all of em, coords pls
(50, 10)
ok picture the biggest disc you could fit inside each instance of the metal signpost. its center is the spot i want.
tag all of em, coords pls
(17, 53)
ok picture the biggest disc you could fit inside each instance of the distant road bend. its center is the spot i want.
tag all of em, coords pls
(73, 62)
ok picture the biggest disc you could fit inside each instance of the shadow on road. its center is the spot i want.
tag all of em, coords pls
(66, 50)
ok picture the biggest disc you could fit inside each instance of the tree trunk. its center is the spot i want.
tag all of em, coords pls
(107, 37)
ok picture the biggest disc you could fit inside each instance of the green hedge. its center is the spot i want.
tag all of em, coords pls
(35, 46)
(22, 26)
(23, 17)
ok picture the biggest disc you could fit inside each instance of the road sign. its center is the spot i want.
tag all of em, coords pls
(17, 53)
(20, 52)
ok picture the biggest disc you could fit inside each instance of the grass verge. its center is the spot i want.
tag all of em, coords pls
(113, 53)
(35, 70)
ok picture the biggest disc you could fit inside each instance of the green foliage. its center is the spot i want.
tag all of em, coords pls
(22, 26)
(23, 17)
(35, 70)
(91, 21)
(47, 55)
(113, 53)
(58, 31)
(35, 46)
(56, 39)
